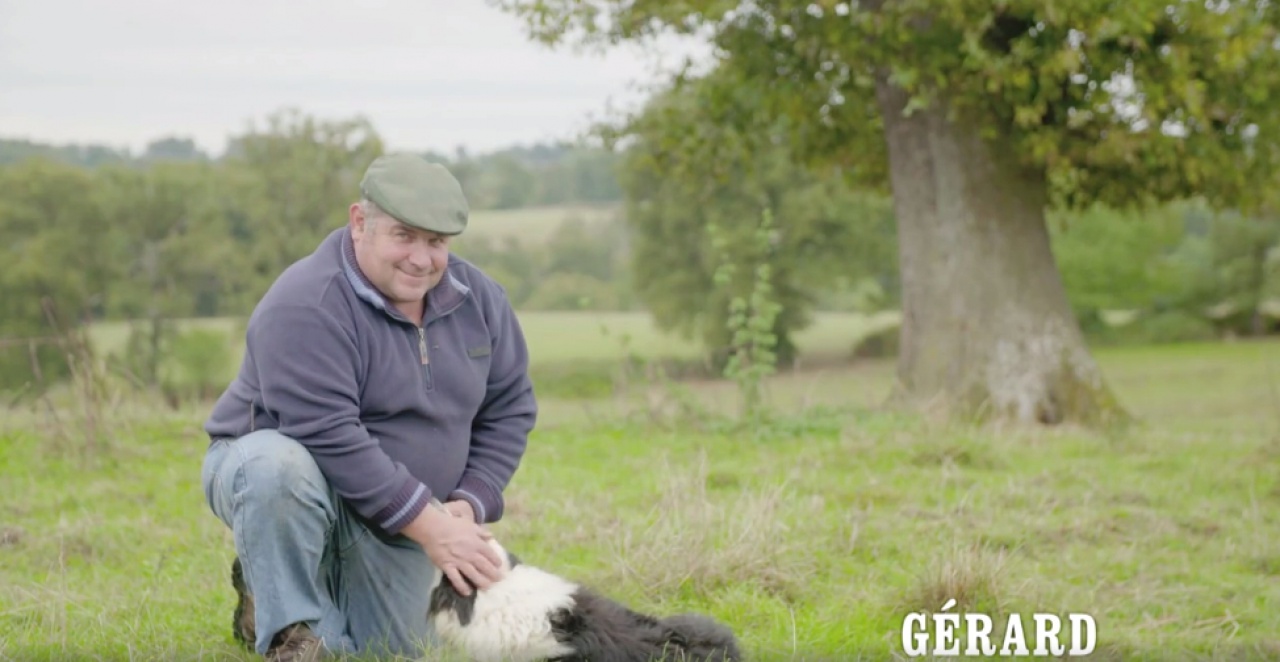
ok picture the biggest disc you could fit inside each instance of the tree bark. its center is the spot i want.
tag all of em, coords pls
(987, 330)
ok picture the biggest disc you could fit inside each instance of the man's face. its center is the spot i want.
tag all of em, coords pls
(403, 262)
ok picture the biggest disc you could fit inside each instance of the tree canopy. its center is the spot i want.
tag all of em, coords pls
(979, 117)
(1116, 102)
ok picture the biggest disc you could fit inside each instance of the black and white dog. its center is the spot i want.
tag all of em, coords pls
(531, 615)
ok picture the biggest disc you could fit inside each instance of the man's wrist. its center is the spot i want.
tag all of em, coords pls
(477, 508)
(462, 508)
(420, 528)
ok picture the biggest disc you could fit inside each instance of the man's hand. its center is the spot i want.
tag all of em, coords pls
(458, 546)
(461, 508)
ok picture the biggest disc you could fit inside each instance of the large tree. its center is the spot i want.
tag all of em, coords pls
(979, 116)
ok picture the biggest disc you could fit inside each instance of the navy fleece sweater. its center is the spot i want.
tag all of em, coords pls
(393, 412)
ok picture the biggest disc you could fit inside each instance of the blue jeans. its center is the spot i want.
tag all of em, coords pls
(309, 558)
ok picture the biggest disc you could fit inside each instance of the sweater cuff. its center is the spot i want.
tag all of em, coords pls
(486, 501)
(412, 498)
(477, 508)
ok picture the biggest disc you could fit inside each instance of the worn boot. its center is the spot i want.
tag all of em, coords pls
(295, 643)
(242, 627)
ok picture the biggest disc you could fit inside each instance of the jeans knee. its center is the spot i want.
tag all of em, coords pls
(279, 470)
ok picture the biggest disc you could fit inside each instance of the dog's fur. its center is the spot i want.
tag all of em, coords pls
(531, 615)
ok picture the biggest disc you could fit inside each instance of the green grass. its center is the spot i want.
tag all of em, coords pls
(812, 537)
(559, 336)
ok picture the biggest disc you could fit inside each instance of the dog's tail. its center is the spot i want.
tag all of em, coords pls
(703, 638)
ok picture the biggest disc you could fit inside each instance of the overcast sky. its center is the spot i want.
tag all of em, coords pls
(430, 74)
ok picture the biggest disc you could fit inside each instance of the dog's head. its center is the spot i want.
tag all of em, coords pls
(444, 597)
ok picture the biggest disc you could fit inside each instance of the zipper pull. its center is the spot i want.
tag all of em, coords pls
(422, 344)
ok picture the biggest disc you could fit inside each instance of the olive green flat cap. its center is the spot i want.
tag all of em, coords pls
(417, 192)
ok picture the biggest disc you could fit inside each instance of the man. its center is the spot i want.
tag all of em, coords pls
(382, 377)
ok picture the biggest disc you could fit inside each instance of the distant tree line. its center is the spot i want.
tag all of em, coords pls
(171, 234)
(92, 233)
(510, 178)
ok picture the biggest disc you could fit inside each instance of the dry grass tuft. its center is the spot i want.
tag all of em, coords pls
(972, 575)
(695, 543)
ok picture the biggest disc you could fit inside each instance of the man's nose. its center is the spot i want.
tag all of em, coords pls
(420, 256)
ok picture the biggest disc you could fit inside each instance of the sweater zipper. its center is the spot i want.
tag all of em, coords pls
(422, 332)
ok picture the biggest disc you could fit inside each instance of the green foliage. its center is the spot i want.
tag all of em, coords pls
(302, 174)
(28, 367)
(169, 240)
(579, 266)
(16, 151)
(882, 343)
(1115, 102)
(1245, 260)
(542, 175)
(575, 380)
(1182, 271)
(54, 266)
(54, 246)
(200, 363)
(145, 350)
(1077, 103)
(511, 178)
(509, 261)
(180, 362)
(508, 184)
(751, 356)
(178, 238)
(575, 248)
(689, 165)
(172, 239)
(1228, 267)
(1114, 260)
(1163, 327)
(572, 291)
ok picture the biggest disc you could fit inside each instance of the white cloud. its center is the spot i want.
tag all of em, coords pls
(428, 73)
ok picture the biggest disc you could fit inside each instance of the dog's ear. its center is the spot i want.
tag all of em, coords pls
(513, 560)
(446, 598)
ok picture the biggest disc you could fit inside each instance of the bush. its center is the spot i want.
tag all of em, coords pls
(567, 291)
(879, 344)
(1170, 326)
(197, 366)
(30, 367)
(575, 380)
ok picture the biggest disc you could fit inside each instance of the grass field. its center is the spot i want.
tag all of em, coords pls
(812, 536)
(568, 337)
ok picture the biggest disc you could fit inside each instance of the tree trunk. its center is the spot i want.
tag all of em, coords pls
(987, 330)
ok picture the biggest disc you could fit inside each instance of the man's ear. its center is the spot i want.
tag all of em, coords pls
(355, 219)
